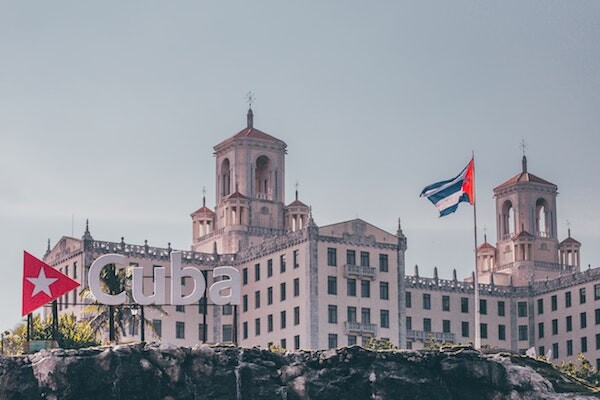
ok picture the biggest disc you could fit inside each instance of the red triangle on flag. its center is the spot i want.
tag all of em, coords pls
(42, 283)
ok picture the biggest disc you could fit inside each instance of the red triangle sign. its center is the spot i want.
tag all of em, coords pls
(42, 283)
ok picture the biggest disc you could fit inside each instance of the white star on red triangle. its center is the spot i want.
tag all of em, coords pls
(42, 284)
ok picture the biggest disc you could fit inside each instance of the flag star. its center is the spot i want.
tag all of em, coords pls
(42, 284)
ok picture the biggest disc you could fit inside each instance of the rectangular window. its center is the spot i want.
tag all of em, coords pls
(446, 326)
(365, 288)
(297, 342)
(597, 341)
(383, 263)
(269, 268)
(245, 330)
(409, 323)
(331, 257)
(583, 320)
(464, 329)
(522, 308)
(245, 276)
(523, 334)
(75, 270)
(541, 330)
(296, 315)
(332, 341)
(364, 258)
(554, 351)
(282, 294)
(351, 287)
(332, 313)
(257, 299)
(445, 303)
(597, 291)
(282, 263)
(350, 257)
(483, 307)
(384, 317)
(427, 324)
(245, 303)
(597, 312)
(270, 323)
(351, 314)
(157, 325)
(568, 299)
(365, 315)
(554, 303)
(582, 295)
(296, 287)
(257, 272)
(332, 285)
(542, 350)
(501, 332)
(584, 344)
(296, 259)
(540, 306)
(284, 343)
(464, 305)
(569, 323)
(351, 340)
(227, 331)
(555, 326)
(384, 293)
(282, 320)
(202, 306)
(227, 309)
(408, 300)
(483, 331)
(501, 308)
(180, 330)
(180, 308)
(201, 333)
(426, 301)
(257, 327)
(270, 295)
(569, 347)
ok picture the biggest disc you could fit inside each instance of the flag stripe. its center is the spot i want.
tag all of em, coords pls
(446, 195)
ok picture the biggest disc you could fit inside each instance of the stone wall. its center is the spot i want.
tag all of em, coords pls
(154, 371)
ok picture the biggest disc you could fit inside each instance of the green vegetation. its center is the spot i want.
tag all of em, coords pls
(583, 370)
(380, 344)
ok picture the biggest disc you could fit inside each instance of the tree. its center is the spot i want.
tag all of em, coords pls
(380, 344)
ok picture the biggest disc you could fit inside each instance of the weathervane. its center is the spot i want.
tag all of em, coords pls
(523, 146)
(250, 99)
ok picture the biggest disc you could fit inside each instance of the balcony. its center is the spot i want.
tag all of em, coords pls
(359, 272)
(431, 336)
(360, 328)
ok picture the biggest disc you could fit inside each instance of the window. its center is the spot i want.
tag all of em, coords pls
(583, 320)
(582, 296)
(180, 330)
(75, 270)
(483, 307)
(541, 330)
(501, 332)
(332, 341)
(284, 343)
(180, 308)
(350, 257)
(383, 263)
(351, 314)
(408, 300)
(464, 304)
(332, 285)
(483, 331)
(445, 303)
(384, 318)
(227, 309)
(282, 263)
(554, 303)
(409, 323)
(269, 268)
(270, 323)
(365, 315)
(384, 293)
(540, 306)
(257, 327)
(365, 288)
(297, 342)
(227, 331)
(464, 328)
(157, 325)
(245, 330)
(523, 332)
(597, 291)
(542, 350)
(555, 327)
(282, 320)
(245, 276)
(201, 333)
(351, 287)
(427, 324)
(202, 306)
(296, 259)
(331, 257)
(584, 344)
(257, 272)
(501, 308)
(332, 314)
(446, 326)
(426, 301)
(569, 347)
(257, 299)
(364, 258)
(522, 308)
(270, 295)
(296, 287)
(351, 340)
(568, 299)
(282, 294)
(569, 323)
(245, 303)
(296, 315)
(554, 351)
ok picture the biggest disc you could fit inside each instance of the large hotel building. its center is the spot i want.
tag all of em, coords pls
(306, 286)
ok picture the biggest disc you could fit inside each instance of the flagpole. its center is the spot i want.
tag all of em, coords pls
(475, 277)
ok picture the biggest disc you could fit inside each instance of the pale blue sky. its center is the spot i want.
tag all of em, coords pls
(109, 111)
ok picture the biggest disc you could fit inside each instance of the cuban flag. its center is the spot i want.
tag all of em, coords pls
(446, 195)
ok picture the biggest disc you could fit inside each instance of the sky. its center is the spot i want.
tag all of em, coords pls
(109, 111)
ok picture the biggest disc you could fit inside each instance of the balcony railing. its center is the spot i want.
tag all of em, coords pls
(435, 336)
(359, 271)
(360, 328)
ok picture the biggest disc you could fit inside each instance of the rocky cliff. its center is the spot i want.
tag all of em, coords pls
(163, 372)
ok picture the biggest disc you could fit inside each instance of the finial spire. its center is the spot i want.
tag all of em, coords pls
(524, 160)
(484, 234)
(203, 196)
(250, 116)
(297, 186)
(87, 225)
(569, 228)
(48, 249)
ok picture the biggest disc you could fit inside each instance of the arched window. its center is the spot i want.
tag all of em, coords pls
(508, 220)
(225, 177)
(262, 174)
(541, 218)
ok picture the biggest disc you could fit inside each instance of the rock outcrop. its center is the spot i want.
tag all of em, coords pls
(152, 371)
